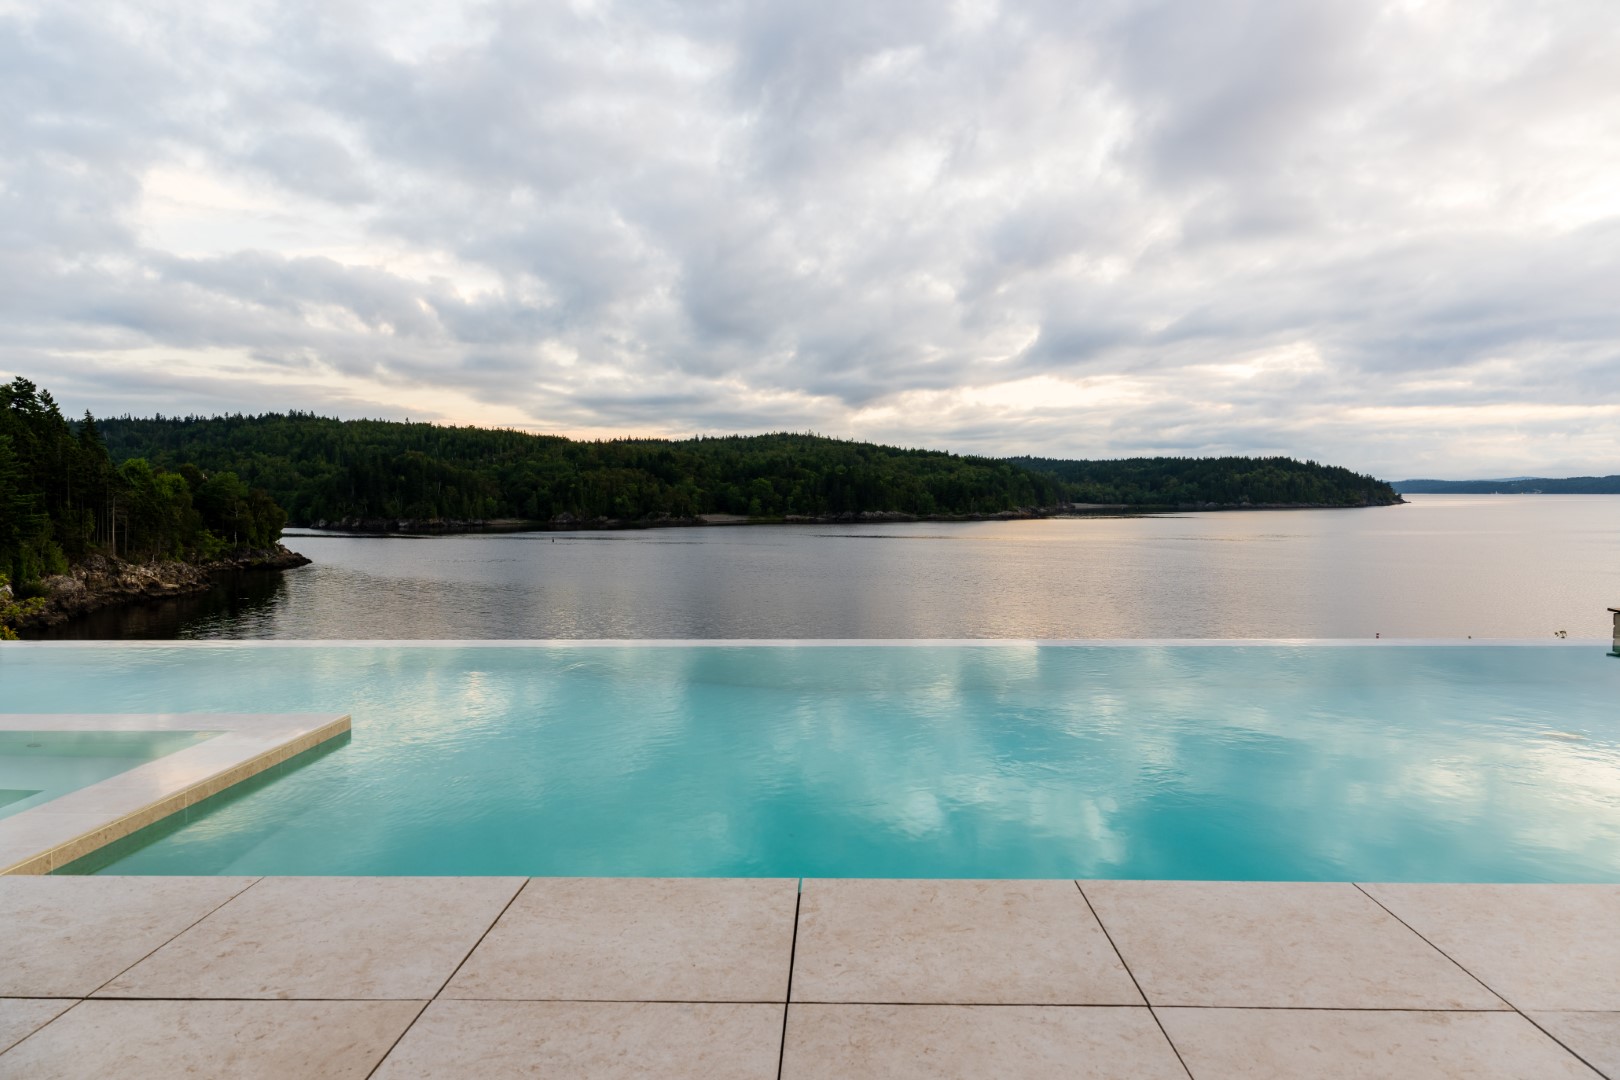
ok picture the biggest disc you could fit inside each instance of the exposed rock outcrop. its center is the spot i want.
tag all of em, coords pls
(100, 581)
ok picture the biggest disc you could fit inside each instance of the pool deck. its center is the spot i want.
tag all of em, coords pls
(49, 836)
(719, 978)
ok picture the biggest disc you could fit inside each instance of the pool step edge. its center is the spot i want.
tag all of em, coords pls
(73, 846)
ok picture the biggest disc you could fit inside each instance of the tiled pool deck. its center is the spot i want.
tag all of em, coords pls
(720, 978)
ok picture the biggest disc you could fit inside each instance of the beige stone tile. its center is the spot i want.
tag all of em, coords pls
(287, 937)
(1013, 1042)
(1595, 1036)
(1277, 945)
(21, 1017)
(589, 1040)
(1286, 1044)
(1539, 946)
(243, 1040)
(638, 939)
(954, 942)
(65, 936)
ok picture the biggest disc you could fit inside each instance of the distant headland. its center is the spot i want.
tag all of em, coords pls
(1517, 485)
(361, 473)
(94, 513)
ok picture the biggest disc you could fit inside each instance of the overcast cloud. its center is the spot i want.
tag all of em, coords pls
(1383, 235)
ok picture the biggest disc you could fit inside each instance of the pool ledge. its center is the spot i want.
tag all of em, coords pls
(53, 834)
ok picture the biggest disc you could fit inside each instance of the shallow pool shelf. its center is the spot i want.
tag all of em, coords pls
(222, 750)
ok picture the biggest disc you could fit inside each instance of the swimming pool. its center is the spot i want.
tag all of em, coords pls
(1285, 761)
(37, 766)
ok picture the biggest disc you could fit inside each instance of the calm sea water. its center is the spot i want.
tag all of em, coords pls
(1347, 762)
(1441, 566)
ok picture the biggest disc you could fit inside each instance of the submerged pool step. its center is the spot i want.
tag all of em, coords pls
(48, 836)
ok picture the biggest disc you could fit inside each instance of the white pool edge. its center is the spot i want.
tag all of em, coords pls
(781, 643)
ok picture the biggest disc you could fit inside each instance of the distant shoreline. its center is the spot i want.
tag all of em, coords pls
(1518, 485)
(567, 523)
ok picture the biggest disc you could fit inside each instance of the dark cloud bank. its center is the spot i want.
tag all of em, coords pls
(1382, 235)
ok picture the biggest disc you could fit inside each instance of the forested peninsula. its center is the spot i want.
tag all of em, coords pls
(79, 531)
(367, 474)
(93, 513)
(1524, 485)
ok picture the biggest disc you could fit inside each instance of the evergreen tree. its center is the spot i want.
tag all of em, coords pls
(61, 497)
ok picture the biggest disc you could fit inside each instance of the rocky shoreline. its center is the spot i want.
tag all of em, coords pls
(99, 582)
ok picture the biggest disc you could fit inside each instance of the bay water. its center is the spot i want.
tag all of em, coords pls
(1441, 566)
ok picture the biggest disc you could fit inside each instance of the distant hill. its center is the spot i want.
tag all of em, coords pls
(1225, 481)
(1518, 485)
(323, 469)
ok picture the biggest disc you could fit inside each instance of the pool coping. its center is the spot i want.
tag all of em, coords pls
(51, 835)
(781, 643)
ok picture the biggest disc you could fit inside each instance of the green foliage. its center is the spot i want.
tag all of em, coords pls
(14, 608)
(61, 498)
(1224, 481)
(1530, 485)
(324, 469)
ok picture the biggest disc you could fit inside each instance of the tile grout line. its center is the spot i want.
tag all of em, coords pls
(170, 941)
(787, 1000)
(821, 1001)
(838, 1003)
(1500, 997)
(492, 924)
(8, 1049)
(1531, 1021)
(406, 1030)
(80, 1001)
(1174, 1049)
(1485, 985)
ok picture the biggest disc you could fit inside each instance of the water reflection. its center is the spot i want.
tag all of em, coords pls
(238, 604)
(1156, 762)
(1444, 566)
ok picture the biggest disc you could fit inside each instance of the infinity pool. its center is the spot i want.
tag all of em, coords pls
(1237, 761)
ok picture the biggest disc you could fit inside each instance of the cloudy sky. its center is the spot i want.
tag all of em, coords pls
(1383, 235)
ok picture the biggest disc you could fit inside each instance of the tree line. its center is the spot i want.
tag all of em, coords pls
(63, 497)
(1223, 481)
(326, 470)
(1529, 485)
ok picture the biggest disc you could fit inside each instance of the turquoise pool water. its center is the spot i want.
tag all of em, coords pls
(37, 766)
(1467, 763)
